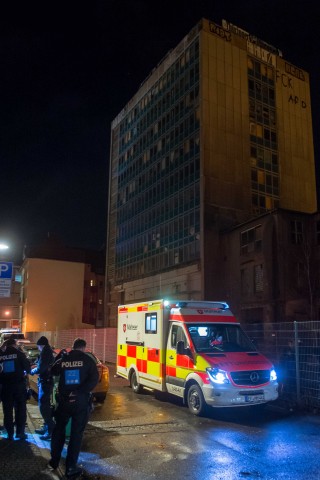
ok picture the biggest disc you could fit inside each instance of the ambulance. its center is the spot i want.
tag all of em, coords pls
(195, 350)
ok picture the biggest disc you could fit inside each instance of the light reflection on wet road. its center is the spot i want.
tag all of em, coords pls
(154, 437)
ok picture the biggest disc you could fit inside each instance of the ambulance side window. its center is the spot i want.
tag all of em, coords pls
(151, 323)
(177, 334)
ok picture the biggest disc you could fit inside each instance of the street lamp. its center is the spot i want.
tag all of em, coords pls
(3, 250)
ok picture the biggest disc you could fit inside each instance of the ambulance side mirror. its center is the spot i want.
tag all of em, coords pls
(181, 350)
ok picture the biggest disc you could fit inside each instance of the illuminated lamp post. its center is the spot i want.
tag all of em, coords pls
(3, 248)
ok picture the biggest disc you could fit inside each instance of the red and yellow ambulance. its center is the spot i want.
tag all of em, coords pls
(195, 350)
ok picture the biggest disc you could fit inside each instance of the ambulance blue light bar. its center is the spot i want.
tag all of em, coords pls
(196, 304)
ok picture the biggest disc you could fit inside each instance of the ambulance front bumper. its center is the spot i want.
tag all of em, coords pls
(230, 396)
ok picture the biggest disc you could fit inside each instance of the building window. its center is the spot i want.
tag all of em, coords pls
(246, 282)
(296, 232)
(263, 138)
(251, 240)
(258, 278)
(299, 274)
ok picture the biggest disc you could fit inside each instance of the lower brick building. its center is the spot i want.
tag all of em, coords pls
(62, 288)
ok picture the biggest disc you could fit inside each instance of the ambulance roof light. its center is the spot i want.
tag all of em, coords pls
(197, 304)
(181, 304)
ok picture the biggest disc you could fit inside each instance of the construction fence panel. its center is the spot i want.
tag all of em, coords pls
(101, 341)
(294, 349)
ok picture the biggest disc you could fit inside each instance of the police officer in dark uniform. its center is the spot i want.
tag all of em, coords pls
(78, 376)
(45, 386)
(14, 366)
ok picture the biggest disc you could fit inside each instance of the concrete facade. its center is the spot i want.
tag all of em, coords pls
(62, 288)
(52, 295)
(270, 268)
(219, 133)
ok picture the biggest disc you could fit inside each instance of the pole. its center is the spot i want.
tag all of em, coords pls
(296, 345)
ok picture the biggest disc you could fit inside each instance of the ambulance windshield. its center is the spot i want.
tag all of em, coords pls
(215, 338)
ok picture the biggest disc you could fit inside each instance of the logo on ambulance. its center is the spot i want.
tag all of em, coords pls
(124, 327)
(254, 377)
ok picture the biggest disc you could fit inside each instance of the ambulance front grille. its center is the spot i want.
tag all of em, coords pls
(251, 377)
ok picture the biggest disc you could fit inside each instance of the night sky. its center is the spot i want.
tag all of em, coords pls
(68, 68)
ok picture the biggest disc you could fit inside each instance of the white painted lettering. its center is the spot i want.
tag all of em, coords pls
(8, 357)
(72, 364)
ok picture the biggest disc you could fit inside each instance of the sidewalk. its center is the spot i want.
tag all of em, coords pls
(26, 459)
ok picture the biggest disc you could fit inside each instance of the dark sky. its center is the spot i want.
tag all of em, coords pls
(68, 68)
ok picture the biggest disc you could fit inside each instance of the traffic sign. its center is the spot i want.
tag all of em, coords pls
(6, 269)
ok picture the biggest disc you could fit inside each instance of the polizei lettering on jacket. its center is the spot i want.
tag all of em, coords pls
(72, 364)
(3, 358)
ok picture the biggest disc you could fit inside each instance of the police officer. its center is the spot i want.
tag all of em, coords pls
(78, 376)
(45, 386)
(14, 366)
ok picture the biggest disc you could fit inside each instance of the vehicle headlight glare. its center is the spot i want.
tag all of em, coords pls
(217, 376)
(273, 375)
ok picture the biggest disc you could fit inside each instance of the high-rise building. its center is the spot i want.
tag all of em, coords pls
(219, 132)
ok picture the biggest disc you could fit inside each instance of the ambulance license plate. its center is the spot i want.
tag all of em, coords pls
(254, 398)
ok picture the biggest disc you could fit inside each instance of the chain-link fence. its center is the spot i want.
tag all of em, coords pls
(294, 348)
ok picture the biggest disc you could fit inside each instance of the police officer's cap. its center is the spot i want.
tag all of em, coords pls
(43, 341)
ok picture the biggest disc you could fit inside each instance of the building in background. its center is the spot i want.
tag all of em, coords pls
(62, 288)
(218, 134)
(270, 267)
(10, 313)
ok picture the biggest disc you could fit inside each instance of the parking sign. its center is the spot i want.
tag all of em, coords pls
(6, 269)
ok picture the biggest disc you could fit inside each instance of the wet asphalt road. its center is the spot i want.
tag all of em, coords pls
(148, 436)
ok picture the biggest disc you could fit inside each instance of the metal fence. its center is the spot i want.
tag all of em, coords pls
(101, 341)
(294, 348)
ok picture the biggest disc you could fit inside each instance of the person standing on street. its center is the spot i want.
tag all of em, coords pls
(14, 366)
(78, 376)
(45, 387)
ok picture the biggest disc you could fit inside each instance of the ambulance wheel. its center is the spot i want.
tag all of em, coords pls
(195, 400)
(135, 385)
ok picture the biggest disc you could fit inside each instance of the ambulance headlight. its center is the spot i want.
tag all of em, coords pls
(273, 375)
(217, 376)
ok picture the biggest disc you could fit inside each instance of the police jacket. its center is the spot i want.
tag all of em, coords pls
(78, 372)
(13, 366)
(44, 364)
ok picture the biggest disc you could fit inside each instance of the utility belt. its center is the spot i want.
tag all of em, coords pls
(72, 397)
